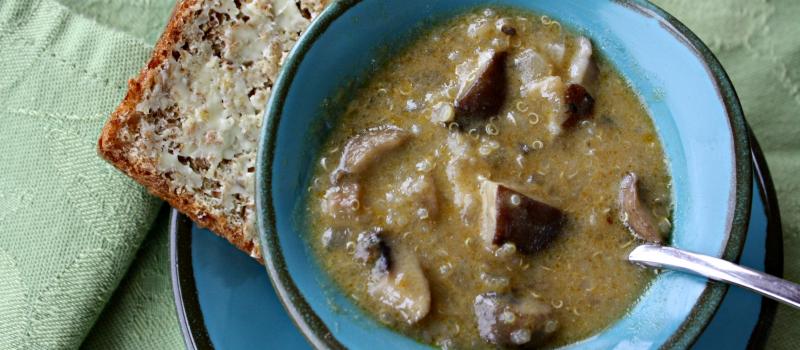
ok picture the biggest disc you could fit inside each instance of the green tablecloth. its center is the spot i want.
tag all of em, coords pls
(77, 264)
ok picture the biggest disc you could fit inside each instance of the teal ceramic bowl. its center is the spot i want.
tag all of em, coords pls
(693, 105)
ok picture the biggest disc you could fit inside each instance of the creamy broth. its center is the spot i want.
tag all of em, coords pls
(423, 194)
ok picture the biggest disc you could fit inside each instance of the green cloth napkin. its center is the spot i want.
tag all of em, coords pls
(77, 264)
(70, 225)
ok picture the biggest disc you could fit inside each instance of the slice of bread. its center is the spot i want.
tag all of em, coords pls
(188, 127)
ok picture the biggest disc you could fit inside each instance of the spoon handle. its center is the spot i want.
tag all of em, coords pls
(718, 270)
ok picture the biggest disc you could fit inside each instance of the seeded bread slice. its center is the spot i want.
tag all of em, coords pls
(188, 126)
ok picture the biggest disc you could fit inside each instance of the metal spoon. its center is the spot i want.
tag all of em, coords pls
(640, 224)
(717, 269)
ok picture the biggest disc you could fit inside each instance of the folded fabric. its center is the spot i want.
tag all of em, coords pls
(70, 224)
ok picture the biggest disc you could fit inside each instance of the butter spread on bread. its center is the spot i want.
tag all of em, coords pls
(188, 128)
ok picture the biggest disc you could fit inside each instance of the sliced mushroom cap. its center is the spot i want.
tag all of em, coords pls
(531, 65)
(550, 91)
(483, 88)
(509, 216)
(460, 170)
(397, 281)
(508, 321)
(555, 51)
(633, 213)
(370, 246)
(580, 104)
(365, 148)
(581, 67)
(508, 30)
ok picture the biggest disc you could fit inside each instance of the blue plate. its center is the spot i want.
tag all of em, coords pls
(224, 298)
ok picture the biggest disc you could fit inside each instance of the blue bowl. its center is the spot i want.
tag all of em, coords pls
(694, 107)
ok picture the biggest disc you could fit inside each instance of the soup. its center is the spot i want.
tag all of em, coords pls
(481, 189)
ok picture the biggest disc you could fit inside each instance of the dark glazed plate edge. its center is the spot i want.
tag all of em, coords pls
(184, 288)
(773, 259)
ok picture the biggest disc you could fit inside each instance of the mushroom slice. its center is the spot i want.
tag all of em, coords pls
(370, 246)
(633, 213)
(365, 148)
(460, 171)
(581, 67)
(580, 104)
(397, 281)
(550, 91)
(504, 320)
(483, 87)
(509, 216)
(568, 103)
(531, 66)
(556, 52)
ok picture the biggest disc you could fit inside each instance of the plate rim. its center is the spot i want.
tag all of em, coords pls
(773, 263)
(184, 287)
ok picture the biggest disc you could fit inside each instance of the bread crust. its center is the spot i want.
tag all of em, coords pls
(111, 148)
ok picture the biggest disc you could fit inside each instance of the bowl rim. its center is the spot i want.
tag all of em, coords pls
(315, 330)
